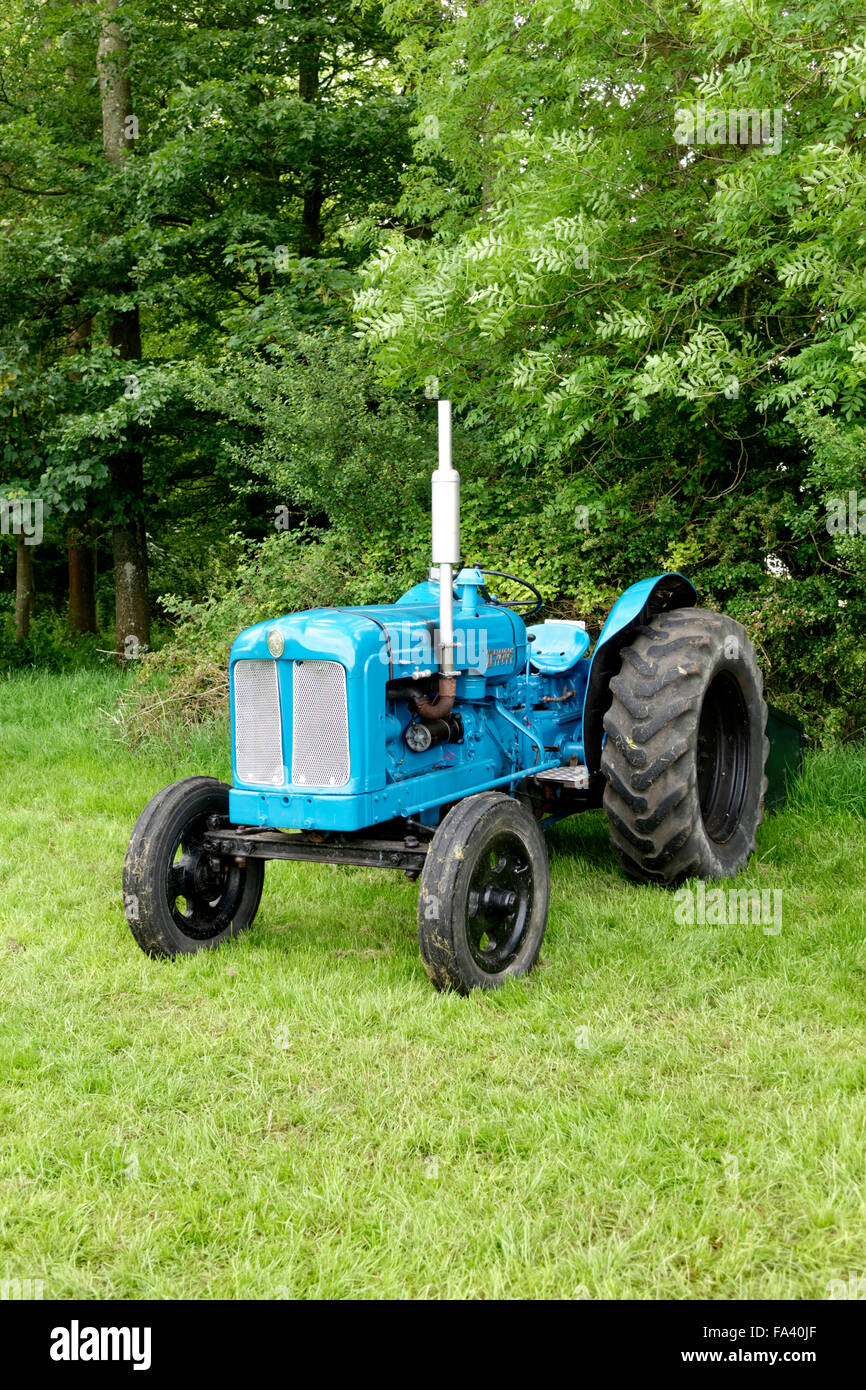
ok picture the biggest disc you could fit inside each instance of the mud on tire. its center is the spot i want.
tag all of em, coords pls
(177, 899)
(686, 749)
(484, 894)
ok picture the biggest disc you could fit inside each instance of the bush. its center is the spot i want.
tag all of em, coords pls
(186, 682)
(50, 645)
(324, 434)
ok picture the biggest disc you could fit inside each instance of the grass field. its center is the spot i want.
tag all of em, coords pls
(660, 1111)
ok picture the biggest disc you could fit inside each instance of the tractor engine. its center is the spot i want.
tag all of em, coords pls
(338, 720)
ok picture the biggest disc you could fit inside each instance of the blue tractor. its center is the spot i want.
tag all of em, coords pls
(441, 735)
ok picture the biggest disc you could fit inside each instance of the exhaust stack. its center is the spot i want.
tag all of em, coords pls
(446, 554)
(446, 536)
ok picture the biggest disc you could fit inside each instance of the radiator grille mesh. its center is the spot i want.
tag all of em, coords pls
(320, 724)
(258, 730)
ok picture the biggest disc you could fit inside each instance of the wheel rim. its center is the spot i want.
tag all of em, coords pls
(203, 892)
(499, 903)
(723, 757)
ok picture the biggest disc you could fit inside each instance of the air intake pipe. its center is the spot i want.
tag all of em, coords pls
(446, 554)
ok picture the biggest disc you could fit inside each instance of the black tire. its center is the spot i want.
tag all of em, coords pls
(484, 894)
(165, 866)
(686, 749)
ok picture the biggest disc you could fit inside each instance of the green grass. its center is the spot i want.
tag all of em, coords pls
(658, 1112)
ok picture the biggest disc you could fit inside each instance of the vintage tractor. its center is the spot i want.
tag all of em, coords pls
(440, 735)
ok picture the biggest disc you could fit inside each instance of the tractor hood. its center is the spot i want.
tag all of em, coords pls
(400, 638)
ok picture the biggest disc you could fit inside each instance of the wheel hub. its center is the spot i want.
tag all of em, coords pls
(499, 903)
(195, 875)
(209, 887)
(495, 900)
(722, 757)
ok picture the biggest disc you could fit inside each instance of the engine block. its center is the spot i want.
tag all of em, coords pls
(327, 734)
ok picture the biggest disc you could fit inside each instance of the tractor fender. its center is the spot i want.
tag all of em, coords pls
(635, 606)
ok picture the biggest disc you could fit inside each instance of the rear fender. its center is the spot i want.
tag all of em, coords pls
(637, 605)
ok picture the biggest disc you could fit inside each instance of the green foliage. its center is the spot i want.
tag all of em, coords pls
(50, 645)
(651, 325)
(603, 263)
(325, 439)
(654, 342)
(267, 144)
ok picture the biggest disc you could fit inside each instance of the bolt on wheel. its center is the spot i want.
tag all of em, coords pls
(484, 895)
(179, 897)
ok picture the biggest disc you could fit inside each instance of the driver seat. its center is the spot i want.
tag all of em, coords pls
(557, 646)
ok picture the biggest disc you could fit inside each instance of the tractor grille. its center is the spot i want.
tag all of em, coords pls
(258, 728)
(320, 724)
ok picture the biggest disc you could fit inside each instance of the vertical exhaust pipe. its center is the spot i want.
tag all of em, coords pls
(446, 536)
(446, 554)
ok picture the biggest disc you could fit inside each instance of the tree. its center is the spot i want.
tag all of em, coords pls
(129, 542)
(23, 589)
(643, 264)
(269, 144)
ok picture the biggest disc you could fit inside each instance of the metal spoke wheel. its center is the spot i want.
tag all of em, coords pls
(484, 894)
(178, 896)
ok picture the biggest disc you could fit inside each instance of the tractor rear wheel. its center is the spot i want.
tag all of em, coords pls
(179, 898)
(484, 894)
(685, 749)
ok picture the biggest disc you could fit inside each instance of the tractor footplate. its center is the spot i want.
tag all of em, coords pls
(408, 853)
(575, 777)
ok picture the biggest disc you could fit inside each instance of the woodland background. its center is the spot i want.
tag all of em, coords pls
(242, 246)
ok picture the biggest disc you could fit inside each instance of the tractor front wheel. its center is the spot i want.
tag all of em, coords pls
(178, 897)
(484, 894)
(686, 749)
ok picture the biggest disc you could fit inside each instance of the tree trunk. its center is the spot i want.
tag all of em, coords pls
(23, 589)
(82, 581)
(129, 540)
(131, 604)
(112, 60)
(131, 600)
(310, 238)
(79, 540)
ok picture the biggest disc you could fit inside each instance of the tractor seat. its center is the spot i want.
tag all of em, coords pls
(557, 647)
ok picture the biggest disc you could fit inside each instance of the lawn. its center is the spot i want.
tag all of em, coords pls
(659, 1111)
